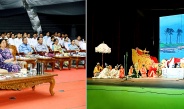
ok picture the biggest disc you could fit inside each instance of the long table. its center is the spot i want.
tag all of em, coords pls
(18, 83)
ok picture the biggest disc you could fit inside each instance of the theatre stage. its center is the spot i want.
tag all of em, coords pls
(140, 82)
(135, 93)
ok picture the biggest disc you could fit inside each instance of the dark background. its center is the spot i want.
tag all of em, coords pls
(123, 26)
(52, 23)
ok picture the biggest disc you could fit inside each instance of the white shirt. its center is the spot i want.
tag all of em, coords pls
(11, 41)
(34, 42)
(29, 41)
(18, 42)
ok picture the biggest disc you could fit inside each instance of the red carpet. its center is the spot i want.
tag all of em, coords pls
(70, 93)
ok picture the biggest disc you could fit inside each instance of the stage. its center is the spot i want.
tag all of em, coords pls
(135, 93)
(140, 82)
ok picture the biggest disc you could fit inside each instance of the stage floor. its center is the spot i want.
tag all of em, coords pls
(139, 82)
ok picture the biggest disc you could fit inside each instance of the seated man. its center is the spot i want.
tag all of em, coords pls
(97, 70)
(73, 46)
(40, 47)
(115, 72)
(25, 47)
(105, 73)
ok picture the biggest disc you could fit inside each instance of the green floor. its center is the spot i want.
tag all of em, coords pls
(120, 97)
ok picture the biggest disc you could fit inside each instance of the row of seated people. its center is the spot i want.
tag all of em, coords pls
(118, 71)
(48, 40)
(108, 71)
(26, 49)
(8, 54)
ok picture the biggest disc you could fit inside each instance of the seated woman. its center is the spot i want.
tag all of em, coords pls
(143, 71)
(57, 47)
(132, 72)
(121, 72)
(6, 58)
(152, 70)
(14, 51)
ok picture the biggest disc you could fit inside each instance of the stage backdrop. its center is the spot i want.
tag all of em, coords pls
(171, 42)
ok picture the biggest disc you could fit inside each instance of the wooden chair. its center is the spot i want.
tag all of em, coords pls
(41, 53)
(14, 51)
(21, 54)
(82, 51)
(49, 48)
(56, 52)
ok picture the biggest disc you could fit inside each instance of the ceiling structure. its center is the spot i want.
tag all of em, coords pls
(56, 7)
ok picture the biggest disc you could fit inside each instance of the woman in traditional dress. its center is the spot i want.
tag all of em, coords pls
(143, 71)
(121, 72)
(130, 72)
(152, 70)
(57, 47)
(6, 58)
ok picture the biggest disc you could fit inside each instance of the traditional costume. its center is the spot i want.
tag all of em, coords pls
(97, 70)
(115, 72)
(121, 72)
(143, 72)
(152, 71)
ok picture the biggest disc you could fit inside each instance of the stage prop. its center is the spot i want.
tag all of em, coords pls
(102, 48)
(141, 57)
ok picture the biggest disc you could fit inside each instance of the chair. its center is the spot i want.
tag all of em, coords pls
(56, 52)
(41, 53)
(13, 50)
(49, 48)
(21, 54)
(82, 51)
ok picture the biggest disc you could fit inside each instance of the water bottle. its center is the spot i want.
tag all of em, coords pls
(42, 68)
(30, 68)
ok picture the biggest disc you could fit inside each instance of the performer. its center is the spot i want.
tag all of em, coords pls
(109, 73)
(159, 69)
(143, 71)
(115, 72)
(105, 72)
(152, 70)
(97, 70)
(130, 72)
(121, 72)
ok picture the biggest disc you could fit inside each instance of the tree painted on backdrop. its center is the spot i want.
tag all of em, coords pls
(179, 35)
(169, 31)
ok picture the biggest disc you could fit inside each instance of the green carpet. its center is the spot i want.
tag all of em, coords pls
(120, 97)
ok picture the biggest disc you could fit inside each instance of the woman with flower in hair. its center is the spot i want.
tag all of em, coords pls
(6, 58)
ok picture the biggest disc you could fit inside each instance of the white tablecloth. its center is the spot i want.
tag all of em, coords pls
(173, 73)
